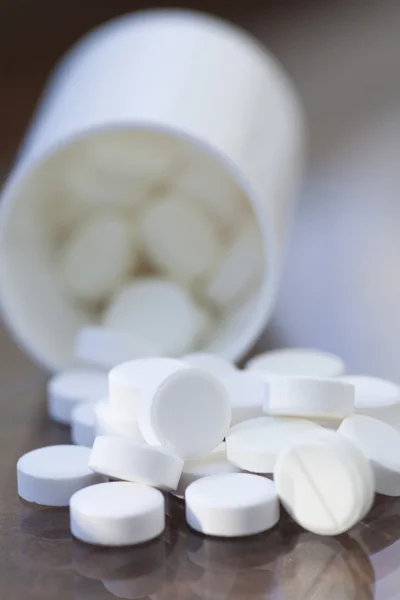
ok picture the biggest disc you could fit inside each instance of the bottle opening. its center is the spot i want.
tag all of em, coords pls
(121, 207)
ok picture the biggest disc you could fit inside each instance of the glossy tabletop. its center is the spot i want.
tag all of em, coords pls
(39, 559)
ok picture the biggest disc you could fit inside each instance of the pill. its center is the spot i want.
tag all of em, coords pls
(179, 240)
(239, 271)
(297, 361)
(105, 348)
(232, 505)
(310, 397)
(83, 424)
(376, 398)
(50, 475)
(109, 422)
(211, 363)
(117, 514)
(117, 168)
(380, 444)
(215, 190)
(98, 257)
(127, 382)
(255, 446)
(213, 464)
(205, 326)
(131, 460)
(188, 412)
(69, 388)
(125, 153)
(248, 394)
(158, 311)
(326, 485)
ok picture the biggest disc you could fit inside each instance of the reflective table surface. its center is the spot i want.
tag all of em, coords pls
(39, 559)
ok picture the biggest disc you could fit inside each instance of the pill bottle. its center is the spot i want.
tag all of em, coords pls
(151, 93)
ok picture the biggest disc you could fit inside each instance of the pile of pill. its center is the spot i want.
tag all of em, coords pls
(289, 428)
(147, 221)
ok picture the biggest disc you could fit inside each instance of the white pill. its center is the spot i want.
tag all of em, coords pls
(83, 424)
(213, 464)
(179, 239)
(105, 348)
(240, 270)
(380, 444)
(216, 191)
(50, 475)
(255, 446)
(117, 514)
(324, 482)
(69, 388)
(98, 257)
(131, 460)
(205, 326)
(310, 397)
(128, 381)
(232, 505)
(297, 361)
(119, 168)
(248, 393)
(188, 412)
(157, 311)
(109, 422)
(376, 398)
(210, 363)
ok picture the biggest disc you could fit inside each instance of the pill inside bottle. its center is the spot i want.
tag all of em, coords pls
(113, 209)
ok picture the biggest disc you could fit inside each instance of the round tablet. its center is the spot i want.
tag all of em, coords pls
(50, 475)
(117, 514)
(380, 444)
(248, 394)
(105, 348)
(232, 505)
(131, 460)
(83, 424)
(98, 257)
(256, 445)
(297, 361)
(119, 168)
(376, 398)
(188, 412)
(310, 397)
(211, 363)
(69, 388)
(157, 311)
(179, 239)
(214, 189)
(109, 422)
(213, 464)
(128, 380)
(326, 485)
(240, 270)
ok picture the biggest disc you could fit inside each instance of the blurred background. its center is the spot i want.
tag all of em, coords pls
(341, 284)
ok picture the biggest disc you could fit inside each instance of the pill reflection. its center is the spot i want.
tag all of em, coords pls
(44, 541)
(318, 568)
(256, 552)
(118, 563)
(237, 569)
